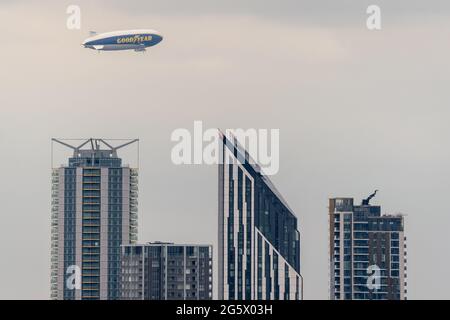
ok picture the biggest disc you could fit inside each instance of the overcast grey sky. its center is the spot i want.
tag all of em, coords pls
(357, 111)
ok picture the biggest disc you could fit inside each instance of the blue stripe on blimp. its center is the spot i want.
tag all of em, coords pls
(147, 40)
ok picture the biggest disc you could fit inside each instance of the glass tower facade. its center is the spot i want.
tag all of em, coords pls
(94, 212)
(166, 271)
(259, 243)
(367, 252)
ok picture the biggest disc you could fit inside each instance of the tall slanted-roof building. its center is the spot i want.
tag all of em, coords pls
(94, 212)
(367, 252)
(259, 243)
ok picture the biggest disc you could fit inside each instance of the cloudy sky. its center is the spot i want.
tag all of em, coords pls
(357, 110)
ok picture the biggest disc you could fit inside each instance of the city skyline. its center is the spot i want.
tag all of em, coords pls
(357, 111)
(258, 255)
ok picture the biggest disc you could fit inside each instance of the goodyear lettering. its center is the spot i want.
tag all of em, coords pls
(133, 39)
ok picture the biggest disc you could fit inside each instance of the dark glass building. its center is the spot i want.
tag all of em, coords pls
(166, 271)
(362, 242)
(94, 212)
(259, 243)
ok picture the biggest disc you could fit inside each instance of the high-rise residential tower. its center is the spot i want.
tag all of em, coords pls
(259, 243)
(166, 271)
(94, 212)
(367, 252)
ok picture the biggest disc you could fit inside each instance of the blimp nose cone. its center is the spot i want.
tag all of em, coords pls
(86, 43)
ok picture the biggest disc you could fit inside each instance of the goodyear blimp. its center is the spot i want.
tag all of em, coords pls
(137, 40)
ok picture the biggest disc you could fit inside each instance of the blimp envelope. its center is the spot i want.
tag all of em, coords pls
(137, 40)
